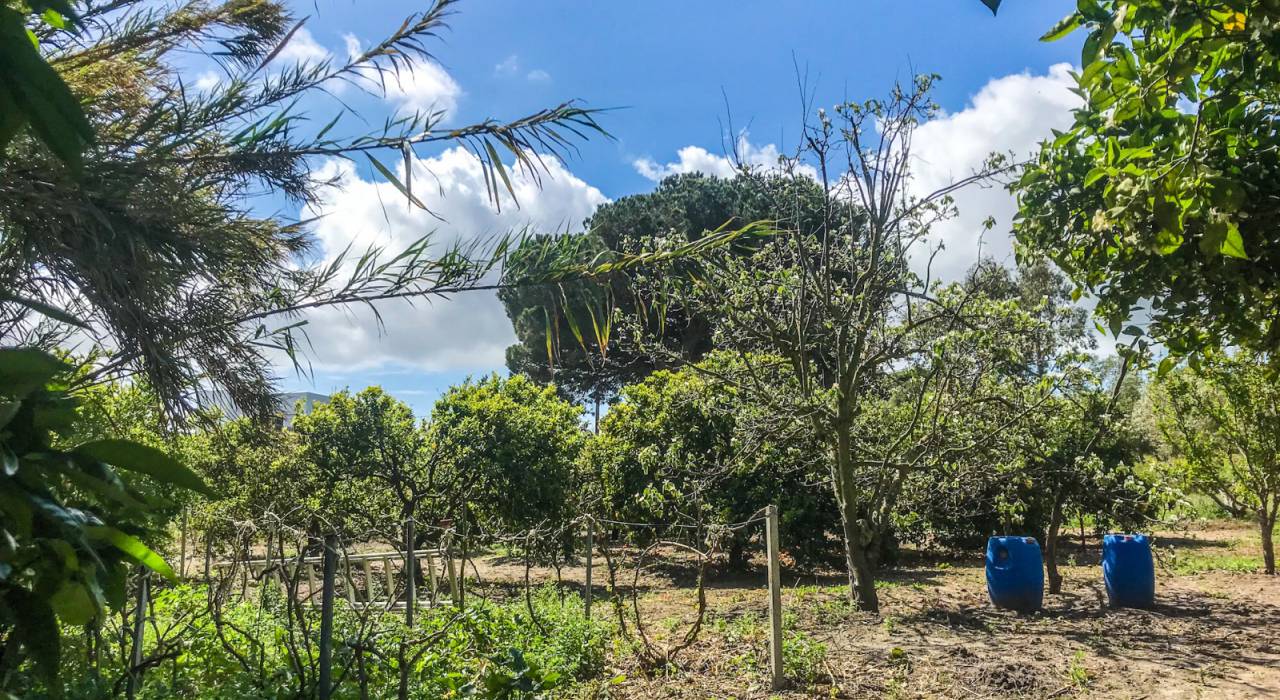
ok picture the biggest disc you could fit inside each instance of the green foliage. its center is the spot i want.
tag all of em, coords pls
(1161, 193)
(565, 332)
(70, 526)
(677, 447)
(150, 235)
(513, 446)
(488, 651)
(803, 657)
(31, 91)
(1186, 563)
(1223, 422)
(882, 365)
(1077, 672)
(369, 456)
(1073, 453)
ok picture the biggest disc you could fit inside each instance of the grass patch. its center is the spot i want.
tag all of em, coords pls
(1183, 563)
(803, 657)
(1077, 673)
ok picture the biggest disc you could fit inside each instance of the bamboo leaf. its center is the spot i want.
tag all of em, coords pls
(391, 177)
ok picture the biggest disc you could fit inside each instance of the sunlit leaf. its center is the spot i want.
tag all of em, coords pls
(132, 547)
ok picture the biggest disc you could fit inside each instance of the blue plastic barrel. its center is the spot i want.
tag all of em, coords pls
(1128, 571)
(1015, 573)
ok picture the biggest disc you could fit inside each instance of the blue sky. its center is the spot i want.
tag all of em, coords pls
(667, 68)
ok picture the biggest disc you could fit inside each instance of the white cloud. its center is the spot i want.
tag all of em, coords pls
(468, 332)
(1009, 114)
(207, 81)
(424, 86)
(303, 48)
(696, 159)
(352, 43)
(509, 66)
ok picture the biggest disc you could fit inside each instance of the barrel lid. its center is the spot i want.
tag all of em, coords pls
(1011, 539)
(1120, 538)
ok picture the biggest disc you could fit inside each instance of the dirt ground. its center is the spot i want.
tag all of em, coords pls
(1215, 632)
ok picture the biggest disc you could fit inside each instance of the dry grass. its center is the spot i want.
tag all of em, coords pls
(1215, 632)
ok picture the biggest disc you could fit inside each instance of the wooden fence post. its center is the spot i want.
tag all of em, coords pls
(388, 576)
(182, 549)
(591, 530)
(139, 634)
(410, 574)
(310, 569)
(455, 592)
(329, 572)
(775, 598)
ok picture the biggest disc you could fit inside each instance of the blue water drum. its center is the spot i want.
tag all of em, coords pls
(1015, 573)
(1128, 571)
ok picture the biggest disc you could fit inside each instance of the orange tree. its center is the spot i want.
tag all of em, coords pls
(1163, 193)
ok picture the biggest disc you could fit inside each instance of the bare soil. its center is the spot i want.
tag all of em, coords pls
(1213, 633)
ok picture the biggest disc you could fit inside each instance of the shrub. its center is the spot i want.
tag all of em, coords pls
(487, 650)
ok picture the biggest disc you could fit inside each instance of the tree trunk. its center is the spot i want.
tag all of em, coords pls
(1051, 547)
(1267, 523)
(862, 584)
(737, 553)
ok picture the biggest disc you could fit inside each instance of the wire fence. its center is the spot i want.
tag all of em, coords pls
(431, 567)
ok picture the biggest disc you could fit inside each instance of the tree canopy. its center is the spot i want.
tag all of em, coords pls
(513, 445)
(1223, 421)
(1160, 199)
(559, 327)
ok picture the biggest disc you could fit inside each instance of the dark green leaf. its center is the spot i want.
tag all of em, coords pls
(8, 461)
(8, 409)
(37, 628)
(126, 454)
(23, 370)
(49, 310)
(39, 92)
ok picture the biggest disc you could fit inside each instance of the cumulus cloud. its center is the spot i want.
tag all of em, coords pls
(1009, 114)
(468, 332)
(303, 48)
(696, 159)
(424, 86)
(538, 75)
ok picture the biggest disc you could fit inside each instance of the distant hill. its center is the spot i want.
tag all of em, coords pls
(288, 402)
(285, 401)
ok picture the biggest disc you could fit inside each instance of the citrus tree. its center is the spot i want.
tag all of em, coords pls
(511, 446)
(680, 447)
(1161, 195)
(1223, 421)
